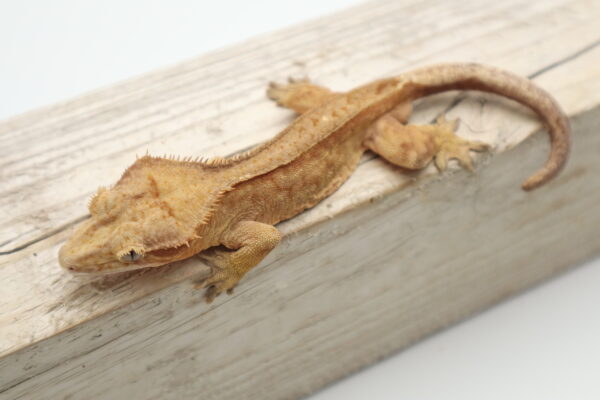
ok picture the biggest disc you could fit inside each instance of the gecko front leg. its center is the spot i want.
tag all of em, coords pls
(247, 244)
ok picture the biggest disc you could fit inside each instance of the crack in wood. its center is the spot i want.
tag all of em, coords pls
(566, 59)
(45, 236)
(461, 97)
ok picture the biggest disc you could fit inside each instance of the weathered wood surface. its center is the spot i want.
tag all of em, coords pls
(386, 260)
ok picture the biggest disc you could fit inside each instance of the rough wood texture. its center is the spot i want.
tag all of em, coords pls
(386, 260)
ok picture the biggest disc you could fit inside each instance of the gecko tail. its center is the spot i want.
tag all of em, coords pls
(458, 76)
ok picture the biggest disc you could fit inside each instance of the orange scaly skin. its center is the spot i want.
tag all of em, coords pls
(164, 210)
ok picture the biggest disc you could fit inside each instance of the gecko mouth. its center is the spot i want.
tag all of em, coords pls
(95, 269)
(106, 268)
(69, 264)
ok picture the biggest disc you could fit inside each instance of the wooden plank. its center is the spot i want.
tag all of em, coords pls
(387, 259)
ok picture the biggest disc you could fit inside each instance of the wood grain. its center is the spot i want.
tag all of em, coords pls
(386, 260)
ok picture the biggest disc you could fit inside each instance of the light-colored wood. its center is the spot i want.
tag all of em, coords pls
(386, 260)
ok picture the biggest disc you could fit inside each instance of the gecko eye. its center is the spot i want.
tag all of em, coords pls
(130, 256)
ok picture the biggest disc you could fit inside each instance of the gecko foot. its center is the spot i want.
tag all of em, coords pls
(298, 94)
(280, 93)
(453, 147)
(222, 279)
(219, 282)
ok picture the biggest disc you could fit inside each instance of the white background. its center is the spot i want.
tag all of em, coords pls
(544, 344)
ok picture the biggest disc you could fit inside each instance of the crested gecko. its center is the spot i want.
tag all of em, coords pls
(162, 210)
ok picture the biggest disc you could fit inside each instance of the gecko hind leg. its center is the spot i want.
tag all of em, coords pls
(247, 244)
(298, 95)
(415, 146)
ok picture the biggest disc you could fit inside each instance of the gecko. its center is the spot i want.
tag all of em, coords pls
(163, 210)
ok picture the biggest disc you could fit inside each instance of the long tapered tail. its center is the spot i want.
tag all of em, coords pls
(443, 77)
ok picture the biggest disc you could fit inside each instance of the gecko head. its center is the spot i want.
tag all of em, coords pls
(130, 227)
